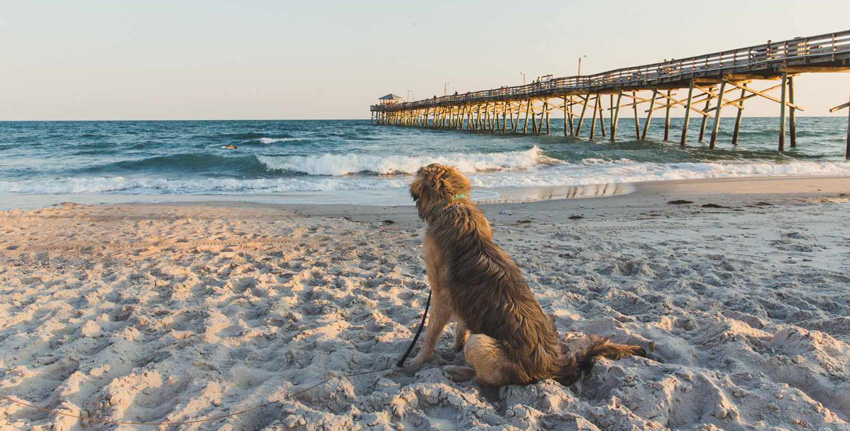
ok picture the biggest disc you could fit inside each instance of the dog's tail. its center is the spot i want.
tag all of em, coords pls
(573, 364)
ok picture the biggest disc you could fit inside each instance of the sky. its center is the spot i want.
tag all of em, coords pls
(108, 60)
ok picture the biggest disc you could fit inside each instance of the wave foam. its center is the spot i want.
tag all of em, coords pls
(628, 171)
(558, 175)
(273, 140)
(345, 164)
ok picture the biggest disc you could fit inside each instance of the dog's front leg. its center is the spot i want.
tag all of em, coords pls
(442, 312)
(461, 333)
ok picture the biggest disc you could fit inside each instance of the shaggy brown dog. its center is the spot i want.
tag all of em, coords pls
(476, 283)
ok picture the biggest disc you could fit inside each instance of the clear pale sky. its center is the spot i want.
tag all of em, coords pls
(283, 59)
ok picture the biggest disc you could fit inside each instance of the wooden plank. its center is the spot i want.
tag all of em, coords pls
(762, 93)
(649, 115)
(687, 114)
(739, 102)
(840, 107)
(683, 104)
(710, 91)
(717, 112)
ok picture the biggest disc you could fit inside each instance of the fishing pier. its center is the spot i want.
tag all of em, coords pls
(707, 83)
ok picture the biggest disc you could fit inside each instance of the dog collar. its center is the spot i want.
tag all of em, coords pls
(446, 202)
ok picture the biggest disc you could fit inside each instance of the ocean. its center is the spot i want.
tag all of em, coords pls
(355, 162)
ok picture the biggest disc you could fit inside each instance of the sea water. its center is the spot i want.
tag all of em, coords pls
(354, 161)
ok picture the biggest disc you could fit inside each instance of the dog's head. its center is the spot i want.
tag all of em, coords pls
(434, 184)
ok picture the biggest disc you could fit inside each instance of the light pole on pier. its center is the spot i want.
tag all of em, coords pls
(445, 88)
(523, 77)
(579, 64)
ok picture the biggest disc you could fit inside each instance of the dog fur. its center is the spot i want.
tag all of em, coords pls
(475, 282)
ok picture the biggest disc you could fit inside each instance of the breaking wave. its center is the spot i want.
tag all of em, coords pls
(564, 174)
(347, 164)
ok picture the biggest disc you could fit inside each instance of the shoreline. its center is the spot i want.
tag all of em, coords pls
(386, 199)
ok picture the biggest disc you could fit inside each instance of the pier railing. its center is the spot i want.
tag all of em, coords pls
(764, 58)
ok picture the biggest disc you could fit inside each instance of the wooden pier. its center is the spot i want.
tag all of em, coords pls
(708, 84)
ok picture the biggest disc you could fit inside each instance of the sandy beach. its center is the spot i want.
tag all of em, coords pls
(740, 291)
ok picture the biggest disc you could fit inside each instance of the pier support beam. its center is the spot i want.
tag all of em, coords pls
(616, 118)
(581, 116)
(601, 116)
(649, 114)
(637, 121)
(593, 118)
(782, 112)
(687, 113)
(534, 129)
(705, 116)
(667, 116)
(566, 116)
(717, 111)
(792, 113)
(738, 117)
(846, 105)
(527, 111)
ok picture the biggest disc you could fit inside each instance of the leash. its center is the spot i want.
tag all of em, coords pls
(418, 331)
(236, 413)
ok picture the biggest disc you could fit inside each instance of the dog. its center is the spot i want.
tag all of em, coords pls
(501, 328)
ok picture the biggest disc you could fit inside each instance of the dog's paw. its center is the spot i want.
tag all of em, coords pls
(459, 374)
(411, 369)
(423, 357)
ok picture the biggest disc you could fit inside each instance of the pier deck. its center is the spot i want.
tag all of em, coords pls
(709, 80)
